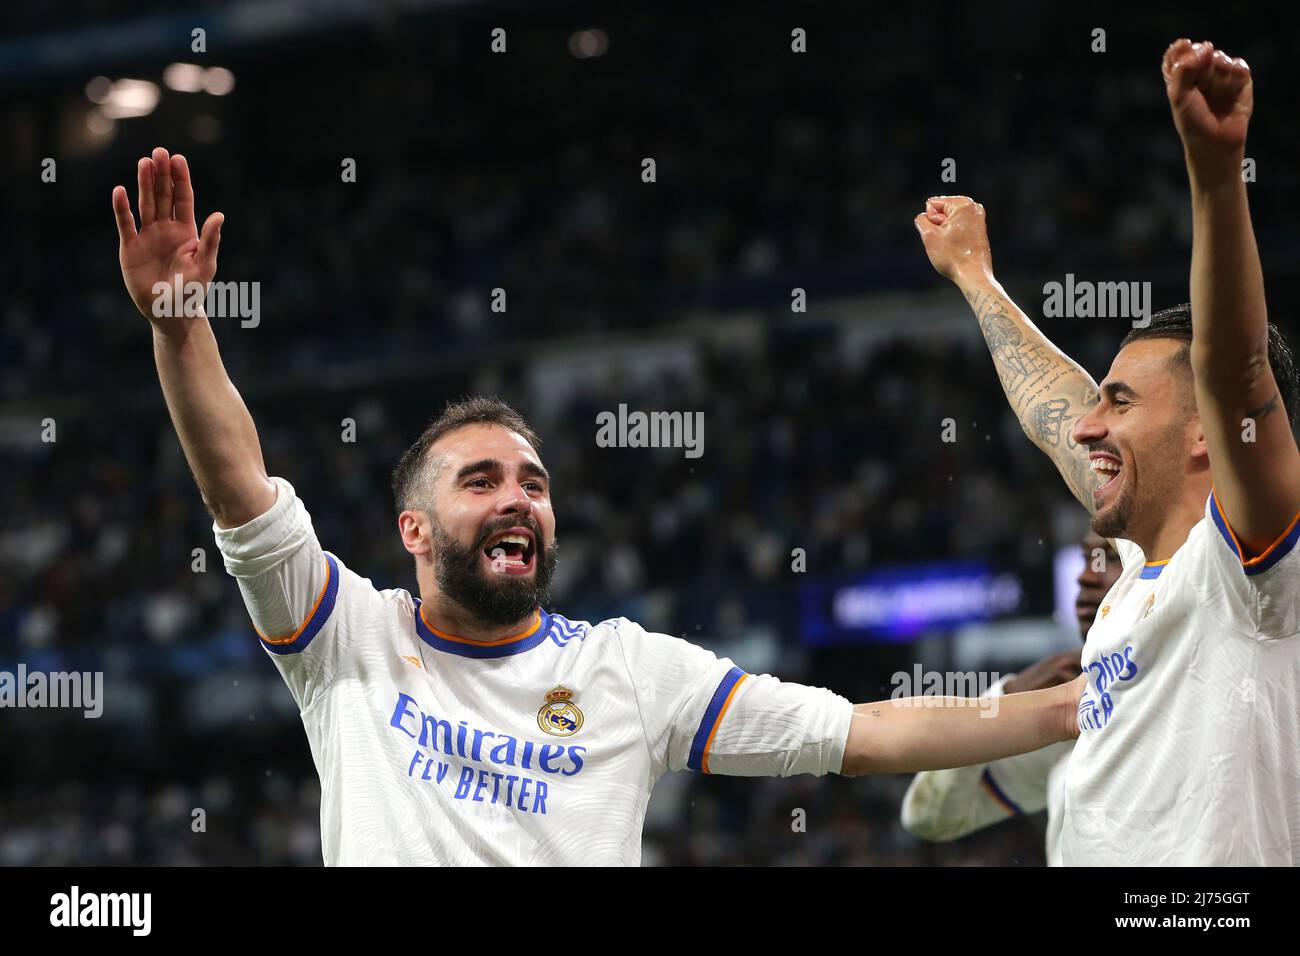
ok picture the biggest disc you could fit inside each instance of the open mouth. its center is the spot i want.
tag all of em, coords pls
(1108, 469)
(511, 551)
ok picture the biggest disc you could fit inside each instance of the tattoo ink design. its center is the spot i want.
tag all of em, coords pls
(1032, 377)
(1049, 416)
(1266, 409)
(1021, 365)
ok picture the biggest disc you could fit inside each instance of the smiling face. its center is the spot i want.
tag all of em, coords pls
(1142, 438)
(491, 528)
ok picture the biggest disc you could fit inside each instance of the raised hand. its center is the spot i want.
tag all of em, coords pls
(1212, 96)
(168, 243)
(955, 237)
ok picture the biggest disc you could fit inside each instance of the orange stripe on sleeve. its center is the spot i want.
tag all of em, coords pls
(1241, 552)
(704, 762)
(294, 636)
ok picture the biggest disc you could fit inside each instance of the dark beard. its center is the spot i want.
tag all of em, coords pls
(1114, 522)
(491, 599)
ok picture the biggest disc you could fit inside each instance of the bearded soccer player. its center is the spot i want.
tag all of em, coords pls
(467, 724)
(1189, 751)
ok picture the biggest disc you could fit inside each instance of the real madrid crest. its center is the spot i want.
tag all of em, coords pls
(560, 716)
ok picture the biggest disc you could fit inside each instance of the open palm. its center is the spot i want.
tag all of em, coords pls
(168, 243)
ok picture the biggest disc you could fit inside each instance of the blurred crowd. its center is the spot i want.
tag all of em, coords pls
(806, 445)
(243, 821)
(376, 307)
(772, 171)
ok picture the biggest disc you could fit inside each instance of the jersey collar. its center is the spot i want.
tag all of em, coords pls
(1152, 569)
(525, 640)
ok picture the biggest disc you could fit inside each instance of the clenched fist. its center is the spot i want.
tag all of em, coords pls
(955, 237)
(1212, 96)
(168, 243)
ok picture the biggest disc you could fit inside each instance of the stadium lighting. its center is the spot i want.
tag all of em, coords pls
(99, 124)
(127, 98)
(192, 78)
(588, 43)
(97, 90)
(218, 81)
(184, 77)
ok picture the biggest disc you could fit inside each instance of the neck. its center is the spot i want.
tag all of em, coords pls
(1176, 522)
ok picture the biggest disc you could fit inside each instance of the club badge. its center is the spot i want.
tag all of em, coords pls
(560, 716)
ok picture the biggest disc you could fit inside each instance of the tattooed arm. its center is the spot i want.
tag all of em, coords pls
(1253, 454)
(1047, 390)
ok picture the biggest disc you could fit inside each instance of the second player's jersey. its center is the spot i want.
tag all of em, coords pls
(1189, 744)
(945, 805)
(540, 748)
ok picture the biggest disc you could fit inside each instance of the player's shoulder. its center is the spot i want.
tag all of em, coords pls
(1254, 595)
(400, 600)
(620, 627)
(566, 632)
(361, 588)
(614, 635)
(363, 605)
(1213, 542)
(1280, 560)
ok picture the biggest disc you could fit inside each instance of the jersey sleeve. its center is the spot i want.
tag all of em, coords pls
(291, 589)
(701, 712)
(1258, 594)
(944, 805)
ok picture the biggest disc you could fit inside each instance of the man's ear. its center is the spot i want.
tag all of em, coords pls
(1199, 448)
(410, 525)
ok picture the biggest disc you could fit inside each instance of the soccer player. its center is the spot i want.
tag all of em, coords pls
(1189, 751)
(944, 805)
(467, 723)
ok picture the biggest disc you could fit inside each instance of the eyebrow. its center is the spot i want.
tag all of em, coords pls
(527, 469)
(1114, 389)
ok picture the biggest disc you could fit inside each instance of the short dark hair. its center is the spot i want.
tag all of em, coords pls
(1176, 323)
(408, 479)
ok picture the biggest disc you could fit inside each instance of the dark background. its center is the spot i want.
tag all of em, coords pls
(521, 171)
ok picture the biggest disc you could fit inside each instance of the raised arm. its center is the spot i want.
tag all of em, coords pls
(1047, 390)
(211, 420)
(1257, 481)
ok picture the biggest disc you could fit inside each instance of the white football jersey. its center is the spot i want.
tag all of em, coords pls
(540, 748)
(1189, 744)
(946, 805)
